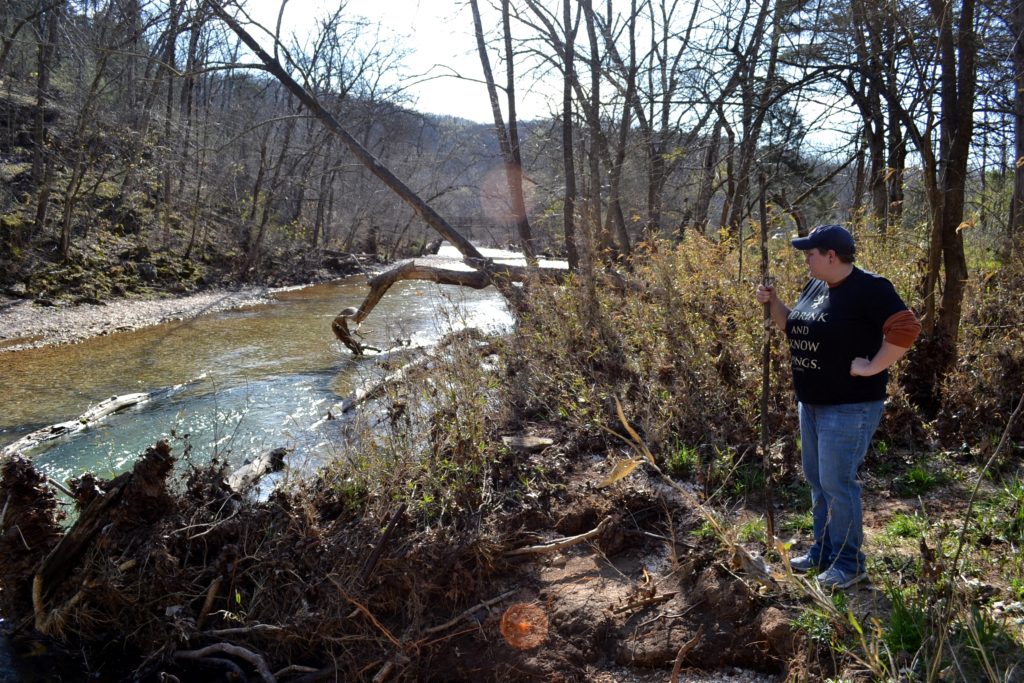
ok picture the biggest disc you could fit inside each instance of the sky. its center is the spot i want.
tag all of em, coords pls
(439, 37)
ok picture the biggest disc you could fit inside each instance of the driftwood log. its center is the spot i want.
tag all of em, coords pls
(249, 475)
(88, 418)
(373, 391)
(413, 270)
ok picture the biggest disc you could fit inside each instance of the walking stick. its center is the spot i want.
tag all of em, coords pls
(765, 365)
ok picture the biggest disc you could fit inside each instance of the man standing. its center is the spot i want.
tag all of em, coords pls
(844, 332)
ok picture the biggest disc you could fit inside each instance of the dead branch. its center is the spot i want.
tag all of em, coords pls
(60, 487)
(374, 558)
(468, 613)
(412, 270)
(254, 660)
(369, 615)
(211, 595)
(660, 537)
(71, 547)
(49, 624)
(527, 443)
(319, 675)
(385, 672)
(373, 391)
(644, 602)
(246, 630)
(295, 669)
(408, 370)
(561, 543)
(683, 651)
(89, 417)
(389, 667)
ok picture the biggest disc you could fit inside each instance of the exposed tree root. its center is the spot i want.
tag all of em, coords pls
(561, 543)
(210, 651)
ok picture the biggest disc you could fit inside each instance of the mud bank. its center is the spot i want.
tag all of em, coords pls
(28, 325)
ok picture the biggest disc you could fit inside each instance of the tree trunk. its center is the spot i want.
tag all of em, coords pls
(1016, 222)
(568, 161)
(709, 169)
(756, 98)
(957, 96)
(894, 174)
(858, 180)
(170, 73)
(508, 138)
(42, 174)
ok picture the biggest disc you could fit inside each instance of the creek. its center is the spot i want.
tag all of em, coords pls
(231, 385)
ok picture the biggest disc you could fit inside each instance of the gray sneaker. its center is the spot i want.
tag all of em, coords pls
(801, 564)
(834, 577)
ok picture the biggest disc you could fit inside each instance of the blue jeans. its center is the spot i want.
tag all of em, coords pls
(833, 441)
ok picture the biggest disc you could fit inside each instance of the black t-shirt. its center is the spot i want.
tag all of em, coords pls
(829, 327)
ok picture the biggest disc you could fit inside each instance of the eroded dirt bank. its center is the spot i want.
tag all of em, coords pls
(202, 585)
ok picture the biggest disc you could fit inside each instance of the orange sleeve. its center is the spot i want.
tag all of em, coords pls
(901, 329)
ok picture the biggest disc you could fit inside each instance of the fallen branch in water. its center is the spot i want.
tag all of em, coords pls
(411, 270)
(405, 372)
(89, 417)
(375, 390)
(250, 474)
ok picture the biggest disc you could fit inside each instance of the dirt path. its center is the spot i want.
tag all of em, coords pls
(27, 325)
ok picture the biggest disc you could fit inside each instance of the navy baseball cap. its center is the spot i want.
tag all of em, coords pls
(826, 237)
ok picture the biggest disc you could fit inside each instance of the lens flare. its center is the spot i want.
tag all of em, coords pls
(524, 626)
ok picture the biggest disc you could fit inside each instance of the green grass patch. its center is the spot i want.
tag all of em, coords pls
(917, 481)
(683, 462)
(752, 530)
(798, 522)
(906, 526)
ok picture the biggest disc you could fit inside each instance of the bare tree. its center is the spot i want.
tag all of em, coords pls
(508, 138)
(1016, 219)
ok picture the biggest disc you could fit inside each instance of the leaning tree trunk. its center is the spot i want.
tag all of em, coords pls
(422, 209)
(488, 271)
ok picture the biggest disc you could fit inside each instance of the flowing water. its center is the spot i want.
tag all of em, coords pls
(237, 383)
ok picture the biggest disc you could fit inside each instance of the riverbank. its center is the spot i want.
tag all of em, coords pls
(27, 325)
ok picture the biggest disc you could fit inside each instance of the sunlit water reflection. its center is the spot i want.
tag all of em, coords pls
(232, 384)
(244, 381)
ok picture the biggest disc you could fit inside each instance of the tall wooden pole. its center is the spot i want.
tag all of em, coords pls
(765, 367)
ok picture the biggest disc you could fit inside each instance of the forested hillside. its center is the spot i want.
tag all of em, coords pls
(624, 464)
